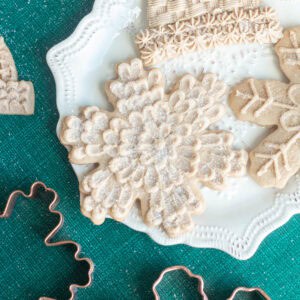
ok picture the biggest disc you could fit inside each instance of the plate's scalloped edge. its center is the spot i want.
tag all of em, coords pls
(56, 57)
(240, 247)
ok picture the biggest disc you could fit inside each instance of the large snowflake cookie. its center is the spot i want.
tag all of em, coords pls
(16, 97)
(274, 103)
(154, 147)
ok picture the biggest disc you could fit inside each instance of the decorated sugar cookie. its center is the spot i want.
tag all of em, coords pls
(276, 104)
(153, 147)
(178, 27)
(164, 12)
(16, 97)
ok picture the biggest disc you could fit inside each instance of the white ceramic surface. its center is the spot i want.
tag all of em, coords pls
(236, 221)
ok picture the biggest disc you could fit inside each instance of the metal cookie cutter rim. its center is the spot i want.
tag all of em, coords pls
(249, 290)
(188, 272)
(33, 191)
(201, 285)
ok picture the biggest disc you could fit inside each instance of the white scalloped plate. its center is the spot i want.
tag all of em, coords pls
(236, 221)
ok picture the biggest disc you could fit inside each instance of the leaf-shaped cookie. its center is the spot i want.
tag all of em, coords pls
(273, 103)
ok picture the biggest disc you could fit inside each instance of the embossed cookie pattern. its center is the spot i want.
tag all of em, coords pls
(183, 28)
(153, 147)
(276, 104)
(170, 11)
(16, 97)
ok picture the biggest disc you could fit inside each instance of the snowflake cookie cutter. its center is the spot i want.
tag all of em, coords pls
(32, 194)
(16, 97)
(201, 291)
(179, 27)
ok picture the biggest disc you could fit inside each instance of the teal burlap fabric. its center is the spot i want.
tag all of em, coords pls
(127, 262)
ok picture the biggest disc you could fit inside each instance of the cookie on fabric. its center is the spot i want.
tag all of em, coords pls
(153, 147)
(16, 97)
(274, 104)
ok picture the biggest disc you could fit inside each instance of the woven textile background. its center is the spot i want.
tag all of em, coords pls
(127, 262)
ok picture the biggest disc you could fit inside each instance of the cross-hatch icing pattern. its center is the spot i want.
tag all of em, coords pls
(16, 97)
(277, 158)
(162, 12)
(257, 25)
(154, 147)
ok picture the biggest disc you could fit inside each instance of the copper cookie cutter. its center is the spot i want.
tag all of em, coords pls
(201, 285)
(33, 192)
